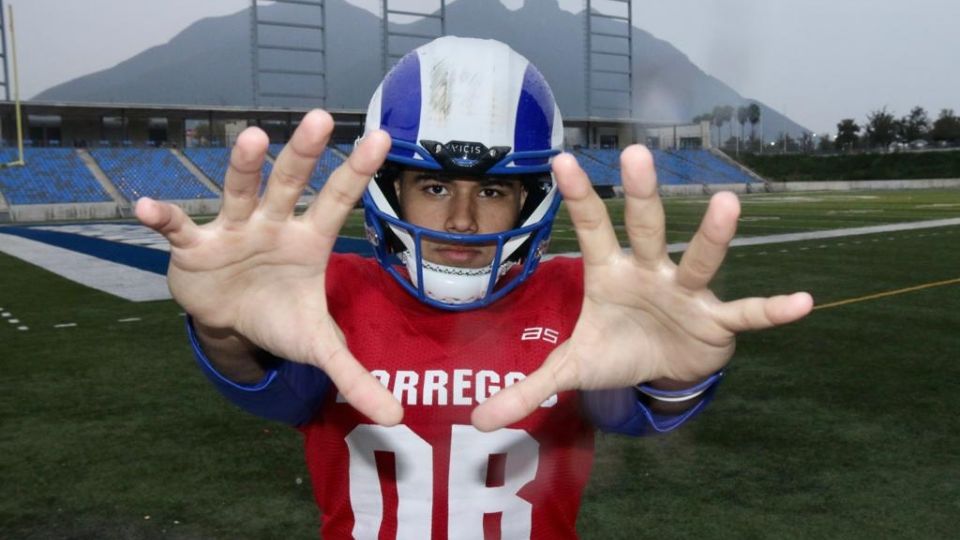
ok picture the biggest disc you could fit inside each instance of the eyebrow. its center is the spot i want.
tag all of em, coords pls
(489, 181)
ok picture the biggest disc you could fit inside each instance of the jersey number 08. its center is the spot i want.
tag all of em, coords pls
(468, 495)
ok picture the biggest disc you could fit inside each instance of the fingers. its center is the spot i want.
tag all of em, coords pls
(168, 220)
(643, 212)
(598, 242)
(242, 181)
(346, 184)
(295, 165)
(361, 389)
(759, 313)
(518, 401)
(706, 251)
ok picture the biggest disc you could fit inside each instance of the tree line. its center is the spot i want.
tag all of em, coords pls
(724, 114)
(881, 131)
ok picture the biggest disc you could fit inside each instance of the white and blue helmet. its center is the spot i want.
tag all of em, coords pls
(466, 107)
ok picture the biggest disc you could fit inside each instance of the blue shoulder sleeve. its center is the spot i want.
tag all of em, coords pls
(621, 410)
(290, 392)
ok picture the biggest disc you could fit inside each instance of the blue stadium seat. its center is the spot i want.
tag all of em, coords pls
(140, 172)
(213, 162)
(600, 171)
(673, 171)
(327, 163)
(50, 176)
(607, 156)
(712, 169)
(275, 148)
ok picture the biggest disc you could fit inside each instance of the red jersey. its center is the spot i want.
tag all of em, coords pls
(435, 476)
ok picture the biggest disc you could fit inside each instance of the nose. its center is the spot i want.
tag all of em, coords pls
(462, 218)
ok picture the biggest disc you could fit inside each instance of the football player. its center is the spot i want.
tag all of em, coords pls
(450, 386)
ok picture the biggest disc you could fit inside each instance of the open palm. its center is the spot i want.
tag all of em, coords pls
(643, 317)
(257, 272)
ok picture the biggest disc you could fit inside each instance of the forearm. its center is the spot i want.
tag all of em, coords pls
(257, 382)
(232, 355)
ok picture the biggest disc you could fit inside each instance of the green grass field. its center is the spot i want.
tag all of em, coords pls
(841, 426)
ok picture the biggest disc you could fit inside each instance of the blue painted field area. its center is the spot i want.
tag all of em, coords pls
(131, 245)
(123, 259)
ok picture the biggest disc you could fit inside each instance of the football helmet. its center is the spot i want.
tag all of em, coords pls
(466, 108)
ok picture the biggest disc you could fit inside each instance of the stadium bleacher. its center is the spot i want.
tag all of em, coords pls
(601, 173)
(674, 167)
(275, 148)
(213, 162)
(327, 163)
(50, 176)
(345, 148)
(139, 172)
(718, 166)
(58, 175)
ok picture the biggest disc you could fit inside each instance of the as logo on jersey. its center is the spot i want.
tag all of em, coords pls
(538, 333)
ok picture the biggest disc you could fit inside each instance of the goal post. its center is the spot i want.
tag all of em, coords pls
(19, 162)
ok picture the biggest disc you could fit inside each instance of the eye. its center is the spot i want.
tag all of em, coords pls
(492, 192)
(436, 189)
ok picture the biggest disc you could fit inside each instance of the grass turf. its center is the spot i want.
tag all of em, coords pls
(839, 426)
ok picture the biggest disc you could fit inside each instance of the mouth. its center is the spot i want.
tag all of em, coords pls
(460, 256)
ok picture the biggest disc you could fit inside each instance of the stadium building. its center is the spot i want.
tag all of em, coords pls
(94, 160)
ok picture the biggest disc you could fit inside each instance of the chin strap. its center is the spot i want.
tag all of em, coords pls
(452, 284)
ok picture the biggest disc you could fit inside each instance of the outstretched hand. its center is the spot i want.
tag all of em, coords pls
(258, 271)
(643, 317)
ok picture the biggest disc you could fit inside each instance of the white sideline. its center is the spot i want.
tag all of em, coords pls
(117, 279)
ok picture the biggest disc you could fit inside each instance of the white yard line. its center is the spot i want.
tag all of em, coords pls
(813, 235)
(117, 279)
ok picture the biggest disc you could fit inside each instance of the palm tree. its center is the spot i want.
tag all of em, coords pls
(728, 114)
(753, 113)
(718, 120)
(743, 116)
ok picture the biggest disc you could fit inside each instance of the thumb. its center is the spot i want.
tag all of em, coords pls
(516, 402)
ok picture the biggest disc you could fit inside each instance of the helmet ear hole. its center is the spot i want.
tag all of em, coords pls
(387, 177)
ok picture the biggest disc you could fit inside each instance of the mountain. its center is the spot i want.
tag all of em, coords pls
(209, 63)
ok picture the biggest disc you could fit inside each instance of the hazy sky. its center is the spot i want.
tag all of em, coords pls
(816, 60)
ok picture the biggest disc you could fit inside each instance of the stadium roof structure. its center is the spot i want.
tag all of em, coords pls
(53, 107)
(226, 111)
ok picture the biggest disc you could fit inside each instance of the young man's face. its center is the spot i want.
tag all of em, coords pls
(461, 206)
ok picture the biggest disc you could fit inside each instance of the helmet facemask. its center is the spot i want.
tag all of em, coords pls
(400, 245)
